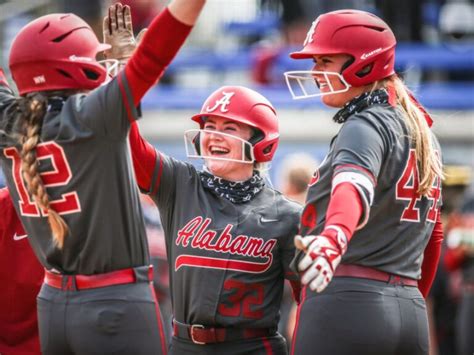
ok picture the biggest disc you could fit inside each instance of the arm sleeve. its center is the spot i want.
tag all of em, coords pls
(431, 258)
(164, 38)
(358, 155)
(344, 209)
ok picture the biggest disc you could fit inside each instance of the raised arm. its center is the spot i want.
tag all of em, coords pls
(164, 38)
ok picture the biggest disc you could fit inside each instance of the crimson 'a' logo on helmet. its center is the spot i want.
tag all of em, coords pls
(222, 102)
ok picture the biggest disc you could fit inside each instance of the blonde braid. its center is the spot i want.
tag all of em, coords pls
(35, 108)
(429, 163)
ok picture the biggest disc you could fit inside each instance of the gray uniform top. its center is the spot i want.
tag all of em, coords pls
(85, 161)
(373, 152)
(227, 261)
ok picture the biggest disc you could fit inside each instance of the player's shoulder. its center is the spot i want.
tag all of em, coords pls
(383, 119)
(375, 115)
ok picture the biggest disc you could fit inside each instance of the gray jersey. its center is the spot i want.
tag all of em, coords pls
(227, 261)
(372, 151)
(85, 164)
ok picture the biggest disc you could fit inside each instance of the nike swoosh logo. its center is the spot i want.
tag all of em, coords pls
(267, 220)
(19, 237)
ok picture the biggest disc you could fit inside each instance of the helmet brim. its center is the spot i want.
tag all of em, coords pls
(301, 55)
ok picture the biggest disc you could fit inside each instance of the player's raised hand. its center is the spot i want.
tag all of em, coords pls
(118, 32)
(323, 255)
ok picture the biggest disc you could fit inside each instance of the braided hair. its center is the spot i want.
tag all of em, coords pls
(27, 114)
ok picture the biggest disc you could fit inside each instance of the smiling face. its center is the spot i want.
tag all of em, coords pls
(334, 63)
(225, 147)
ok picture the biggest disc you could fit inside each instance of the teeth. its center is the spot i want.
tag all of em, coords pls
(219, 150)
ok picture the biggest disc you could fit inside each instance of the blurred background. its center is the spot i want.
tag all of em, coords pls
(246, 42)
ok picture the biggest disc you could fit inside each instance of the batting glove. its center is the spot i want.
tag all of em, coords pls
(323, 255)
(118, 32)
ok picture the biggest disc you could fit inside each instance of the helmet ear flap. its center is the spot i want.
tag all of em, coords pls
(256, 137)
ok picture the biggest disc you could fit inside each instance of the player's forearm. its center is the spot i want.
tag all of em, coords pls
(344, 209)
(159, 46)
(431, 256)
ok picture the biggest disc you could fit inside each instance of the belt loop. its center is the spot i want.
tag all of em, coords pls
(150, 273)
(141, 273)
(68, 283)
(395, 280)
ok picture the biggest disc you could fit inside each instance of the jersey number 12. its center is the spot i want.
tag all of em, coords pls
(59, 175)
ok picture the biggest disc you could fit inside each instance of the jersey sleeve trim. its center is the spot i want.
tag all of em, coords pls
(127, 98)
(357, 167)
(364, 187)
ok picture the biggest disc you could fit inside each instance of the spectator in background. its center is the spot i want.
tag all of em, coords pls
(456, 21)
(295, 17)
(460, 256)
(295, 174)
(404, 17)
(443, 299)
(456, 30)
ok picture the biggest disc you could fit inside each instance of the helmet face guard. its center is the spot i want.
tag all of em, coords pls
(302, 84)
(361, 35)
(193, 141)
(243, 105)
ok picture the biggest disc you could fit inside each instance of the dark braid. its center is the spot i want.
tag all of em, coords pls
(31, 111)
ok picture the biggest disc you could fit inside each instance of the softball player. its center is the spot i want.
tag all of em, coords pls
(371, 221)
(229, 236)
(22, 276)
(66, 160)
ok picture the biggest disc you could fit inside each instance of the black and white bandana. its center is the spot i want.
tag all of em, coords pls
(235, 191)
(359, 103)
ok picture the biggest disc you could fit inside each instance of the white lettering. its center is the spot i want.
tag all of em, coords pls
(370, 54)
(223, 102)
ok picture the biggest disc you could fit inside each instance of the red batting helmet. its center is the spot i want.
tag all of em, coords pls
(56, 52)
(360, 34)
(244, 105)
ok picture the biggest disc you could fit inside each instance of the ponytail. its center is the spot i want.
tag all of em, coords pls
(30, 111)
(429, 162)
